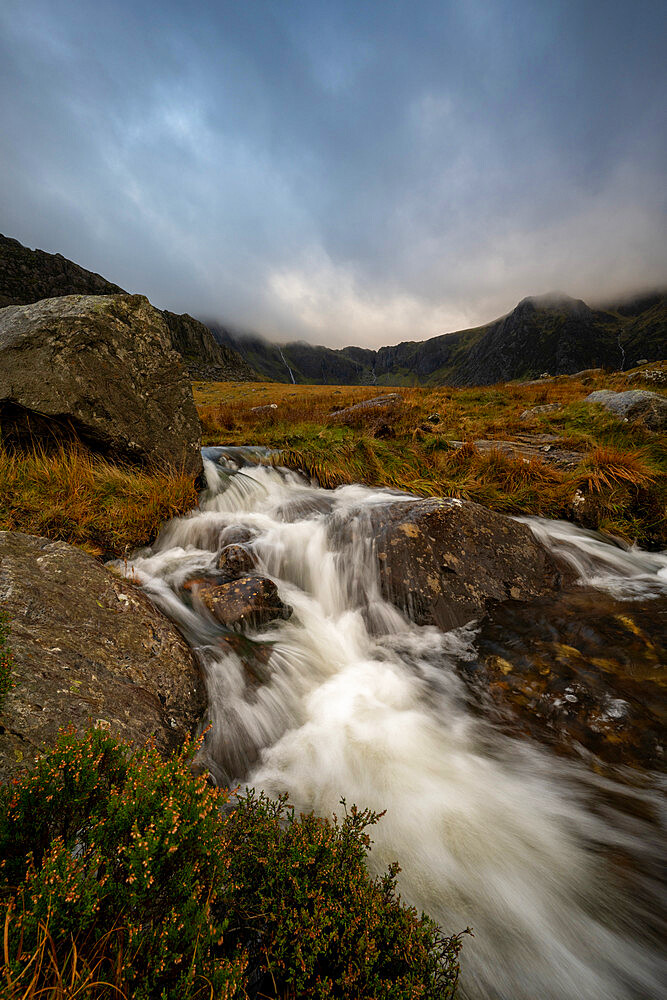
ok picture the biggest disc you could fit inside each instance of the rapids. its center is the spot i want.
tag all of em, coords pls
(349, 699)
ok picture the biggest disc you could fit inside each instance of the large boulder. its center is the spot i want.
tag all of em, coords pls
(99, 368)
(89, 649)
(649, 408)
(447, 562)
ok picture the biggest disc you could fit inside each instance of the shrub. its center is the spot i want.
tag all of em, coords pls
(120, 876)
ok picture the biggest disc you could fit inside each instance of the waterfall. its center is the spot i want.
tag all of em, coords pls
(355, 701)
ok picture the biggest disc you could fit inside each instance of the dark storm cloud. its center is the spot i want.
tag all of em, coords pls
(342, 172)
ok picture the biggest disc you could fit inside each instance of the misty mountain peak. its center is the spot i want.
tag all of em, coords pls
(556, 301)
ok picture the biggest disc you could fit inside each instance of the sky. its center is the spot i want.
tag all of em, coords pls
(340, 172)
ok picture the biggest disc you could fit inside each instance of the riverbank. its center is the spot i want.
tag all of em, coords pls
(537, 448)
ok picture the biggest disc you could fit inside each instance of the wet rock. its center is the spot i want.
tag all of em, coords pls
(100, 369)
(537, 411)
(447, 562)
(89, 649)
(648, 408)
(235, 561)
(433, 418)
(249, 602)
(237, 534)
(581, 669)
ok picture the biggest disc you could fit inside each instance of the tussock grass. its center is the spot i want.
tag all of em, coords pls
(71, 495)
(622, 471)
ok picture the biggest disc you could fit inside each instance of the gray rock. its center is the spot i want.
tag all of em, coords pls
(99, 368)
(640, 405)
(535, 411)
(446, 562)
(89, 649)
(656, 376)
(387, 402)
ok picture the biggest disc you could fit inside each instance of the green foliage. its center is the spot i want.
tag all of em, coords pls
(6, 660)
(120, 876)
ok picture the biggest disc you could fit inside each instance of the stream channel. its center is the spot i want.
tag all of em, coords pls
(550, 853)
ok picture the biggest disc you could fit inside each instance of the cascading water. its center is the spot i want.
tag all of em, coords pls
(348, 698)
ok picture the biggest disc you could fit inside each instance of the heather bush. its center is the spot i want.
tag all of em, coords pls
(123, 875)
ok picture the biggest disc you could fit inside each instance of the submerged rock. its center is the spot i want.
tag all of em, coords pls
(89, 649)
(100, 369)
(234, 561)
(447, 562)
(649, 408)
(248, 602)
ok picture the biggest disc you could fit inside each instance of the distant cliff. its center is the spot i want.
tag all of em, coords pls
(549, 333)
(30, 275)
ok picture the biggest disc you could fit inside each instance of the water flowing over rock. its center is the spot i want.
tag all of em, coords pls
(101, 369)
(247, 602)
(649, 408)
(89, 648)
(445, 562)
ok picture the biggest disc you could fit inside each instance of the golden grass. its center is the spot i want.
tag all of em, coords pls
(623, 467)
(71, 495)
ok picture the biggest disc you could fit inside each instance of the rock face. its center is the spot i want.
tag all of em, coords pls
(649, 408)
(30, 275)
(204, 358)
(446, 562)
(89, 648)
(99, 368)
(248, 602)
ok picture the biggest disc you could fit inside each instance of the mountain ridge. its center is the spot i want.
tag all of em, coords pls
(552, 332)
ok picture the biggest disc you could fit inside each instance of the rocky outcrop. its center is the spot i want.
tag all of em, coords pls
(447, 562)
(100, 369)
(204, 358)
(89, 649)
(27, 276)
(648, 408)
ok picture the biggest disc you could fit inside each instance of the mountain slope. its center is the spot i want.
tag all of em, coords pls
(549, 333)
(30, 275)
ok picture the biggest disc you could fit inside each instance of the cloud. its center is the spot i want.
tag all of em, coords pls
(339, 172)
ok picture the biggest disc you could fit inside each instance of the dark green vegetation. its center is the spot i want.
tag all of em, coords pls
(124, 876)
(555, 334)
(71, 495)
(596, 470)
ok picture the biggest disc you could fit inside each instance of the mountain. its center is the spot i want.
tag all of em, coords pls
(30, 275)
(549, 333)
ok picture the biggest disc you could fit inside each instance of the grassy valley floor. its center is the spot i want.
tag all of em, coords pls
(574, 461)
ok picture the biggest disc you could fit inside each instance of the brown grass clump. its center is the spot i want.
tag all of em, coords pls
(71, 495)
(607, 467)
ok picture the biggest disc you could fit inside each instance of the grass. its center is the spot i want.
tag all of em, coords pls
(73, 496)
(620, 472)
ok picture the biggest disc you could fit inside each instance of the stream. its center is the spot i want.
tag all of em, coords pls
(552, 858)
